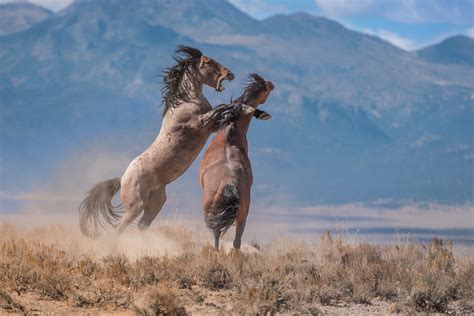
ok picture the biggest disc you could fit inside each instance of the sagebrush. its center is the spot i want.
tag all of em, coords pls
(280, 277)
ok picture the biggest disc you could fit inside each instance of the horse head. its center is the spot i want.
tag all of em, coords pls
(256, 93)
(259, 89)
(211, 72)
(191, 70)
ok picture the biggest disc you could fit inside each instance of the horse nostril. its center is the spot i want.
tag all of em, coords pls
(230, 76)
(271, 86)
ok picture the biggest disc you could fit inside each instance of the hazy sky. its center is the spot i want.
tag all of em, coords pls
(408, 24)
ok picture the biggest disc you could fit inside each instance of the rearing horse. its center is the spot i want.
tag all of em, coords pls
(188, 120)
(225, 172)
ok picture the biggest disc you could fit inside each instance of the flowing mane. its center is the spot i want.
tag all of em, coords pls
(175, 90)
(254, 87)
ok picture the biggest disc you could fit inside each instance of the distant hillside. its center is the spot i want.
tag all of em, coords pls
(19, 16)
(454, 50)
(354, 118)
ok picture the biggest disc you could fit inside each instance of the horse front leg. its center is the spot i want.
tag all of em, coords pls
(218, 117)
(261, 115)
(223, 115)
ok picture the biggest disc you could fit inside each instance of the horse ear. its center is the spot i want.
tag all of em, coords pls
(203, 60)
(261, 115)
(190, 52)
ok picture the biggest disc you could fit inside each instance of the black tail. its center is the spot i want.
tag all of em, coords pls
(224, 214)
(97, 210)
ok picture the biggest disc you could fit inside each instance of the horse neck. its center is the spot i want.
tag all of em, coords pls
(242, 125)
(237, 132)
(243, 122)
(193, 85)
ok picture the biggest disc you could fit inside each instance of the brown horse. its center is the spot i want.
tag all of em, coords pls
(188, 121)
(225, 173)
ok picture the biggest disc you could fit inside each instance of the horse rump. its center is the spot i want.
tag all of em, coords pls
(97, 210)
(223, 215)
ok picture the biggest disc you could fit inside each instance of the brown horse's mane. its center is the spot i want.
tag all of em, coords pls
(174, 90)
(255, 85)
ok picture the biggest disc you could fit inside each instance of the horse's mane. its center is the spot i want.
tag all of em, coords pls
(174, 91)
(254, 87)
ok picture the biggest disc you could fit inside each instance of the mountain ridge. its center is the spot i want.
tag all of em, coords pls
(297, 14)
(353, 116)
(457, 49)
(19, 16)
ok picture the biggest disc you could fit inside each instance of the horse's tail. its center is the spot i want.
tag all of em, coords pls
(97, 210)
(223, 215)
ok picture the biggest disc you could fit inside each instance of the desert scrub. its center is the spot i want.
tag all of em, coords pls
(158, 300)
(291, 277)
(32, 266)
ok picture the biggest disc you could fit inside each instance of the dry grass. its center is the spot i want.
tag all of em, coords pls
(280, 277)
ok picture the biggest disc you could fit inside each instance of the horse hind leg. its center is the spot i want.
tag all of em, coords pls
(217, 236)
(239, 231)
(133, 202)
(240, 222)
(130, 215)
(152, 208)
(222, 215)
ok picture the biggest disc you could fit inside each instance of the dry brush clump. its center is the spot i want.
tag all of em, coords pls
(281, 277)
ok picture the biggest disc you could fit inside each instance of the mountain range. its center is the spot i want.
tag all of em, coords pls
(354, 117)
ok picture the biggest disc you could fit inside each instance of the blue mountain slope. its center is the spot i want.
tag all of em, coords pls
(354, 118)
(19, 16)
(454, 50)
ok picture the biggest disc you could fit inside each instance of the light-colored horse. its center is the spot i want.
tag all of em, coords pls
(188, 120)
(225, 172)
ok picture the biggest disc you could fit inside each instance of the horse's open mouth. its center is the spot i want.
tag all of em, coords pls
(220, 87)
(229, 77)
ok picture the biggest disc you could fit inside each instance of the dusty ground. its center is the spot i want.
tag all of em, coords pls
(172, 270)
(212, 305)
